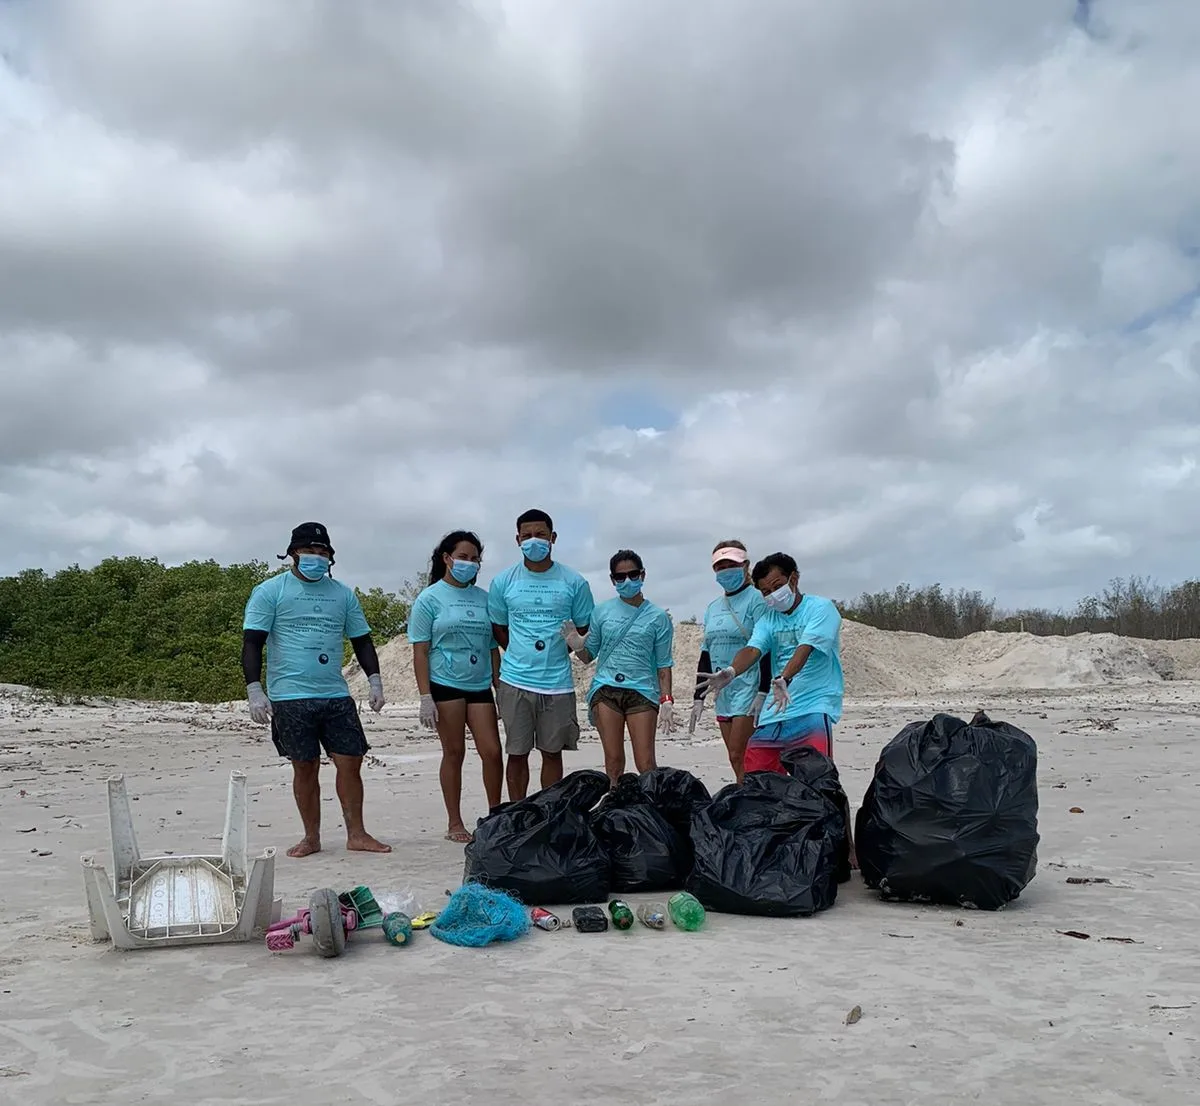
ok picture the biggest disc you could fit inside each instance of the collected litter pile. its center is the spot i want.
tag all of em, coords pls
(949, 817)
(951, 814)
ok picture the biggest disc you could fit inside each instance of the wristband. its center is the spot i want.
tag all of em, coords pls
(665, 699)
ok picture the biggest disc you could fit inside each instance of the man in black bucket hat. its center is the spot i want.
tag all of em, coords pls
(302, 617)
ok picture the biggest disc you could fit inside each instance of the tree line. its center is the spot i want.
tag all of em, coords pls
(1134, 607)
(132, 627)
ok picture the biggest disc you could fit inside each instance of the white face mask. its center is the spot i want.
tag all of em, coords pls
(781, 599)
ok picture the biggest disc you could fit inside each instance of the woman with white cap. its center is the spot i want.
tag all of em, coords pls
(728, 623)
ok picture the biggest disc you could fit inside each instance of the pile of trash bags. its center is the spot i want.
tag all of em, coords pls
(577, 841)
(951, 814)
(949, 817)
(776, 845)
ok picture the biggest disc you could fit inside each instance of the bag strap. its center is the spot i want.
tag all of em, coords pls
(733, 614)
(608, 647)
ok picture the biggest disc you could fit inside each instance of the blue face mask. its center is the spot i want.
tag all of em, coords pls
(628, 589)
(536, 549)
(730, 579)
(464, 571)
(312, 567)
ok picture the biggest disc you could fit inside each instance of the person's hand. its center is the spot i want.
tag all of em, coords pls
(697, 710)
(375, 686)
(666, 716)
(260, 705)
(779, 692)
(429, 713)
(757, 706)
(576, 642)
(715, 681)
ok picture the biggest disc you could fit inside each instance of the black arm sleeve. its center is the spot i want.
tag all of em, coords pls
(364, 652)
(764, 672)
(253, 642)
(703, 668)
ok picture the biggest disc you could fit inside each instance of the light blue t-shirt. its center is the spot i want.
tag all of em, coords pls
(534, 605)
(306, 622)
(817, 688)
(724, 639)
(630, 644)
(455, 623)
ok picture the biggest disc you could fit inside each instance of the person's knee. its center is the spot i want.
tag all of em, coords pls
(347, 767)
(305, 771)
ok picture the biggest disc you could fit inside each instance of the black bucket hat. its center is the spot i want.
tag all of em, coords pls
(310, 533)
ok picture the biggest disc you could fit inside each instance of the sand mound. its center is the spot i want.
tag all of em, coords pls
(880, 662)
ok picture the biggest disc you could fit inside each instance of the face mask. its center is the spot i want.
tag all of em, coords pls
(312, 567)
(464, 571)
(781, 599)
(627, 589)
(536, 549)
(730, 579)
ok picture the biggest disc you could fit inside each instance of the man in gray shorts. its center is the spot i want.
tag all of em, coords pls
(528, 604)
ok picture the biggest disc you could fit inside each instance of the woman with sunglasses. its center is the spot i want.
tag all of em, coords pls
(630, 639)
(456, 663)
(729, 621)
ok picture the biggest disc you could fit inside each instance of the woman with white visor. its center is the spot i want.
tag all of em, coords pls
(728, 623)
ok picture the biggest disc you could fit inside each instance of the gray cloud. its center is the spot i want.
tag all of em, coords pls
(906, 290)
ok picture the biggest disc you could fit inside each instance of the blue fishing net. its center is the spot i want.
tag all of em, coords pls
(477, 916)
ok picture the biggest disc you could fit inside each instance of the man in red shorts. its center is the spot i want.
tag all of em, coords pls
(802, 634)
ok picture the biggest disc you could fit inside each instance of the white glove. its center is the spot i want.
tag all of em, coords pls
(757, 706)
(697, 710)
(375, 684)
(779, 692)
(576, 642)
(666, 717)
(260, 705)
(715, 681)
(429, 712)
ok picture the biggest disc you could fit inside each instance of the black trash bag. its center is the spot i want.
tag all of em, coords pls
(814, 768)
(645, 851)
(767, 847)
(951, 814)
(676, 794)
(542, 849)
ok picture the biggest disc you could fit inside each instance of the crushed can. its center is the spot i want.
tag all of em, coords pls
(543, 919)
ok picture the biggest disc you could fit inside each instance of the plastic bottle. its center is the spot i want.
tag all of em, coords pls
(622, 916)
(397, 928)
(686, 911)
(653, 915)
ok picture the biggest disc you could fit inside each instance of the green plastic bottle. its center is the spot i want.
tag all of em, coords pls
(398, 928)
(622, 916)
(686, 911)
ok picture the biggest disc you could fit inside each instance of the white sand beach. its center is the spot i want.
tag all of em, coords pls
(957, 1006)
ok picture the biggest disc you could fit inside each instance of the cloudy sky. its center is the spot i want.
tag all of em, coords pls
(908, 289)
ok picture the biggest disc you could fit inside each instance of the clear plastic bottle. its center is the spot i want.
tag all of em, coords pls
(686, 911)
(653, 915)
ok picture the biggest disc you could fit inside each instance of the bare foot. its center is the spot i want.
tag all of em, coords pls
(460, 835)
(365, 843)
(305, 848)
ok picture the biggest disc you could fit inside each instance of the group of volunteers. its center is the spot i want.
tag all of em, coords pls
(770, 660)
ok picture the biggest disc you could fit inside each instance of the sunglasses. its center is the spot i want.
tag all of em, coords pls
(617, 577)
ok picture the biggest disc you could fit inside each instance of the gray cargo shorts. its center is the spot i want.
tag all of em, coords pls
(534, 720)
